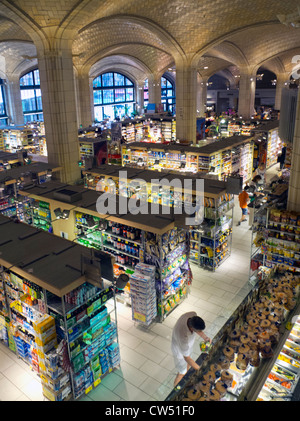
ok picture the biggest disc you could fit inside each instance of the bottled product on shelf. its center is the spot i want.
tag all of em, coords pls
(210, 242)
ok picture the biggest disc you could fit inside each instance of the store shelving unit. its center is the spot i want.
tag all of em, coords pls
(211, 241)
(216, 203)
(106, 232)
(268, 134)
(224, 157)
(285, 373)
(61, 322)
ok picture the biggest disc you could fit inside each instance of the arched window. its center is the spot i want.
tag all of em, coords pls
(114, 96)
(31, 96)
(3, 113)
(168, 95)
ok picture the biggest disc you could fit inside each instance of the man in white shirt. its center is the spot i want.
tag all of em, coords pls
(183, 337)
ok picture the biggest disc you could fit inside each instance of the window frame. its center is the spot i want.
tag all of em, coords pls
(128, 85)
(37, 112)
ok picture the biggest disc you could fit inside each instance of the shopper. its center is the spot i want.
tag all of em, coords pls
(261, 170)
(244, 200)
(254, 185)
(281, 157)
(183, 337)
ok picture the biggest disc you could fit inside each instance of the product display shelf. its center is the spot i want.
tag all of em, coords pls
(85, 322)
(234, 369)
(215, 157)
(131, 247)
(285, 373)
(31, 333)
(210, 242)
(282, 239)
(62, 322)
(214, 192)
(85, 226)
(257, 259)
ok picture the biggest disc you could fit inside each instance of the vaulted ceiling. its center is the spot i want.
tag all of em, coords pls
(144, 37)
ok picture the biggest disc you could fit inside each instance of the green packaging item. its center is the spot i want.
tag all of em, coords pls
(97, 373)
(95, 363)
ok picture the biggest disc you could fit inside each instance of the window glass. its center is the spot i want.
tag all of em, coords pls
(119, 95)
(97, 97)
(36, 74)
(97, 82)
(98, 114)
(108, 96)
(129, 94)
(38, 95)
(120, 92)
(128, 82)
(28, 100)
(107, 79)
(2, 103)
(119, 79)
(31, 96)
(27, 80)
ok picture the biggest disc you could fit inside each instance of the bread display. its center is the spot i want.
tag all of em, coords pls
(250, 340)
(193, 394)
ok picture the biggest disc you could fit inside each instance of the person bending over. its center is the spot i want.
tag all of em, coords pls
(185, 331)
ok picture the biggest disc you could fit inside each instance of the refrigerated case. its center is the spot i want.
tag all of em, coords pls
(239, 361)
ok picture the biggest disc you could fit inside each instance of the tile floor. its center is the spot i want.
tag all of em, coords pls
(147, 370)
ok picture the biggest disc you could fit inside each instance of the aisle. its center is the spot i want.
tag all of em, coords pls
(147, 370)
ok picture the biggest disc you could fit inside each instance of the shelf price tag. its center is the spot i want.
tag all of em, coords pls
(88, 389)
(97, 382)
(139, 316)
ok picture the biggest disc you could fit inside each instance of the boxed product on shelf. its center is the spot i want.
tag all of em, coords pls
(60, 395)
(143, 293)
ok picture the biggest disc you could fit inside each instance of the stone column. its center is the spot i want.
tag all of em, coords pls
(247, 88)
(201, 95)
(14, 103)
(154, 89)
(186, 102)
(140, 97)
(59, 108)
(281, 80)
(85, 100)
(294, 184)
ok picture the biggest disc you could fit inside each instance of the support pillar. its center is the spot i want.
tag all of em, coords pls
(85, 100)
(280, 84)
(14, 103)
(186, 103)
(154, 89)
(201, 95)
(140, 97)
(294, 184)
(247, 88)
(59, 109)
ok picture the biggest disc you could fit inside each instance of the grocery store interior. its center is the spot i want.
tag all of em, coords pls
(149, 168)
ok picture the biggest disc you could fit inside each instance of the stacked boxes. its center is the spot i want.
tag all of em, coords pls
(143, 294)
(104, 361)
(55, 383)
(114, 354)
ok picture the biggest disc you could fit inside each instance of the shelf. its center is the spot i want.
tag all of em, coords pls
(120, 251)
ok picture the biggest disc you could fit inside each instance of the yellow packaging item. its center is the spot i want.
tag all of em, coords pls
(43, 338)
(43, 343)
(44, 323)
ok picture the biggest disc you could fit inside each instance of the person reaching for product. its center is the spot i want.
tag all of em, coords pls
(244, 200)
(185, 331)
